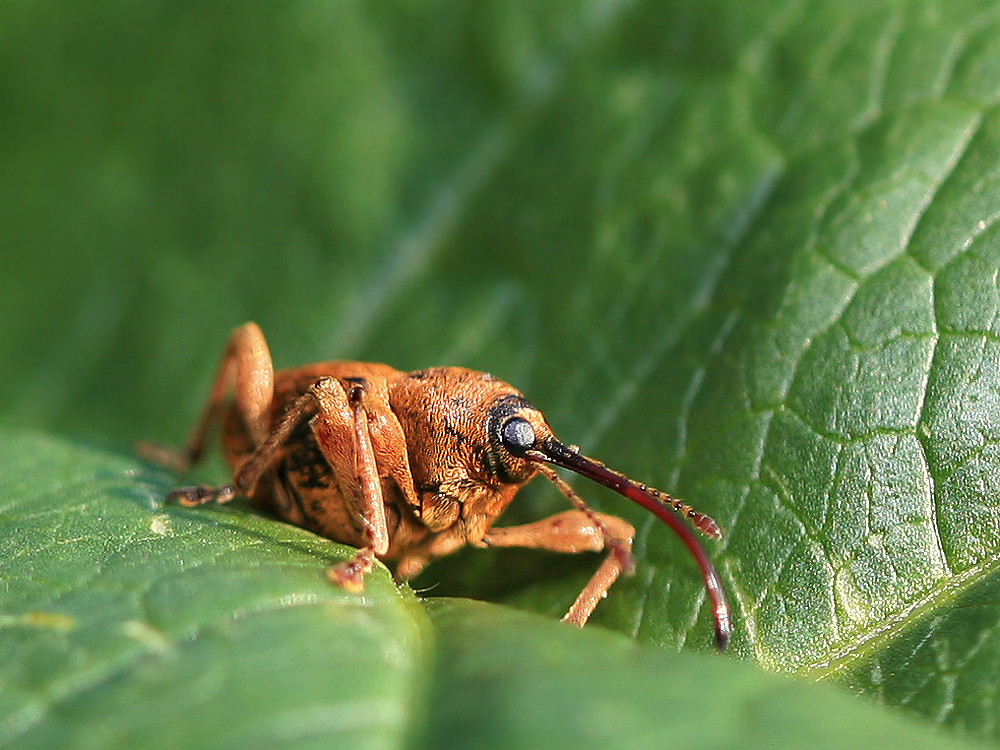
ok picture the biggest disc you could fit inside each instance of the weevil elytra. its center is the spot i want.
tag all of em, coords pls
(409, 467)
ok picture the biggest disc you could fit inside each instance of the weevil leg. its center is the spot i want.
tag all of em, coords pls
(246, 368)
(576, 531)
(596, 589)
(201, 494)
(350, 574)
(329, 395)
(246, 478)
(329, 407)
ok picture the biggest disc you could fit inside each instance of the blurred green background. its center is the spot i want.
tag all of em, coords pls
(170, 170)
(414, 183)
(744, 251)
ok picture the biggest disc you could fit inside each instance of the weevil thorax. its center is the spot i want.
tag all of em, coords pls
(454, 421)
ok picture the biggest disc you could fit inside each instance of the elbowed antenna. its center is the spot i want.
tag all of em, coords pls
(667, 508)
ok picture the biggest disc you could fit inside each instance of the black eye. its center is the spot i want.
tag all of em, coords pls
(517, 435)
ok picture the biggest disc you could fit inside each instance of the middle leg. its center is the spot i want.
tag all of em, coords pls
(577, 531)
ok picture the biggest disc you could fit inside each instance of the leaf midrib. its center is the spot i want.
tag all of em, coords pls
(873, 640)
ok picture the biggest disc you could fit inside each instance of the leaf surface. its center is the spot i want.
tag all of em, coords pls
(128, 623)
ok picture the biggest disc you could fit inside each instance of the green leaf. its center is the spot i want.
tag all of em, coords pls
(744, 252)
(509, 680)
(127, 623)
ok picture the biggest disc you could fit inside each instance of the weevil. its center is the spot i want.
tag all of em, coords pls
(409, 467)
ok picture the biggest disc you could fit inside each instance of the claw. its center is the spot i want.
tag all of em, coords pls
(195, 495)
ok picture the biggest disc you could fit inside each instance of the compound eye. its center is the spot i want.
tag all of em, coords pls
(517, 435)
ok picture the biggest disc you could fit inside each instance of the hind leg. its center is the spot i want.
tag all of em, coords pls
(247, 371)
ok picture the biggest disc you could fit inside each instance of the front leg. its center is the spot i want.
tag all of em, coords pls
(342, 431)
(371, 507)
(575, 531)
(339, 422)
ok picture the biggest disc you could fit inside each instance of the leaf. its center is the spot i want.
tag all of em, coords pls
(129, 623)
(594, 689)
(744, 252)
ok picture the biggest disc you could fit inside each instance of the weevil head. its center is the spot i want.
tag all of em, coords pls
(466, 425)
(462, 475)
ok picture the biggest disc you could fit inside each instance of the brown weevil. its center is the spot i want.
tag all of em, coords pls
(409, 467)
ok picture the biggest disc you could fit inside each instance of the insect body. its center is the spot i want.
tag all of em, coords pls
(409, 467)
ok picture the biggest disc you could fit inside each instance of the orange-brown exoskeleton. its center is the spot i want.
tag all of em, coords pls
(409, 467)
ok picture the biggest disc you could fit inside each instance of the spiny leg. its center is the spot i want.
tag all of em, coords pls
(580, 530)
(595, 590)
(570, 532)
(619, 560)
(350, 574)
